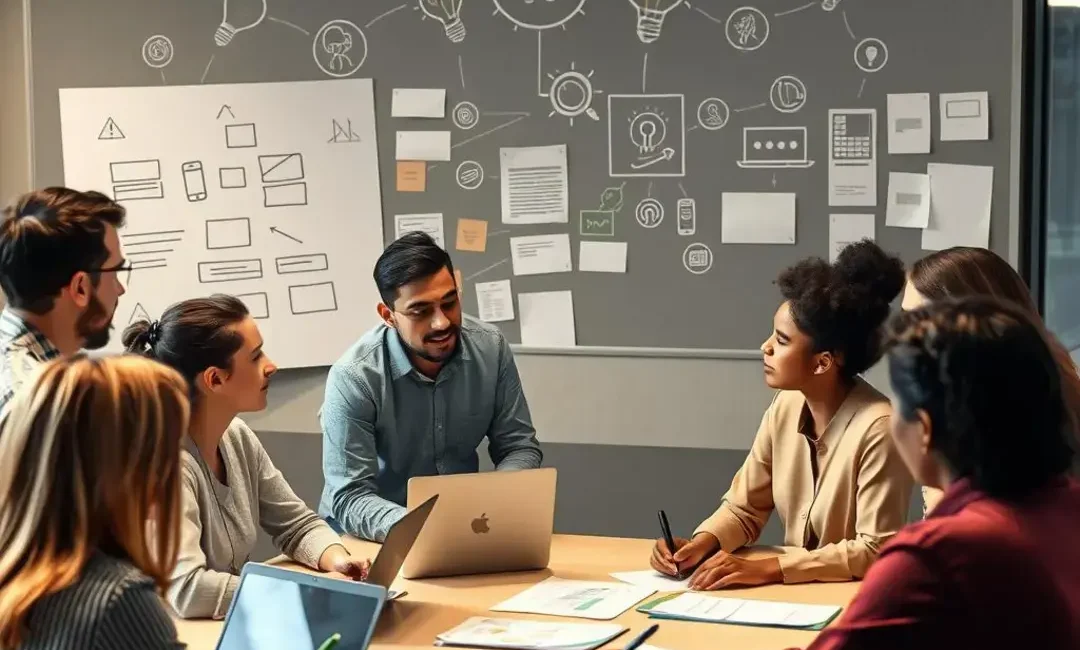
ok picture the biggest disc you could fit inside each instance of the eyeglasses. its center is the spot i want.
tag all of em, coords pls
(124, 267)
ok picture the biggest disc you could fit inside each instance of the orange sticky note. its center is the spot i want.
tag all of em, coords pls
(411, 175)
(460, 284)
(472, 235)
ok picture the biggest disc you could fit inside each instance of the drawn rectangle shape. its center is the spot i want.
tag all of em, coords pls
(232, 178)
(963, 108)
(229, 270)
(240, 136)
(228, 233)
(258, 304)
(302, 263)
(136, 192)
(279, 168)
(282, 196)
(135, 170)
(312, 298)
(597, 223)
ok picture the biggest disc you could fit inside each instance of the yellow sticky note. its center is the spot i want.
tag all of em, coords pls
(472, 235)
(411, 175)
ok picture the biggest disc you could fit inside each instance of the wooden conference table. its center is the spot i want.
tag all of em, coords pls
(434, 606)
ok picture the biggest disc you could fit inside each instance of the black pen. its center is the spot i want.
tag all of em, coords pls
(665, 528)
(641, 638)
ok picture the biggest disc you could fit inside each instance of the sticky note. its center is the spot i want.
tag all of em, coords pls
(411, 176)
(472, 235)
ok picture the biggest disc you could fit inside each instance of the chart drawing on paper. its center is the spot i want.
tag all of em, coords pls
(221, 205)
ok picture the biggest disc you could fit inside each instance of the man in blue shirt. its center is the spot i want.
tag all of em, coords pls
(417, 394)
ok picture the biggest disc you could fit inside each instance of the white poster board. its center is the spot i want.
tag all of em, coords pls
(266, 191)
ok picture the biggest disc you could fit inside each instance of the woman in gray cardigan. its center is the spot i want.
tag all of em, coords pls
(230, 487)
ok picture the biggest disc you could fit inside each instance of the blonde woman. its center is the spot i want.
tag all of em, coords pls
(89, 453)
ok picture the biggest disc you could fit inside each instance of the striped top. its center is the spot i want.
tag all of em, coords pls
(112, 606)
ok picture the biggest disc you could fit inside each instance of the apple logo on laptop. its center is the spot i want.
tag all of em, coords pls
(480, 525)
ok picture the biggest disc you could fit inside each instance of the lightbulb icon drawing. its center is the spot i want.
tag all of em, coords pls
(238, 16)
(871, 55)
(447, 12)
(651, 15)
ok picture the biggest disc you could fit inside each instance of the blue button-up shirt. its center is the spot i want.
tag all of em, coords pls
(22, 349)
(384, 422)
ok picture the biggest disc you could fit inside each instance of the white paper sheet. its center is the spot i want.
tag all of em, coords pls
(908, 204)
(576, 598)
(960, 202)
(751, 612)
(495, 301)
(418, 102)
(431, 223)
(534, 185)
(602, 256)
(539, 254)
(909, 123)
(757, 218)
(423, 145)
(482, 632)
(653, 580)
(547, 319)
(847, 229)
(853, 147)
(965, 116)
(281, 162)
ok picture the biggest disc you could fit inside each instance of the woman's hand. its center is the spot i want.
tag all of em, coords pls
(726, 570)
(688, 554)
(336, 559)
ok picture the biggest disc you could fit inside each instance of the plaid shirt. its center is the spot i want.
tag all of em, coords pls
(22, 349)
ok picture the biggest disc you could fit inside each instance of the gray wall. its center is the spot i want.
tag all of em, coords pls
(634, 435)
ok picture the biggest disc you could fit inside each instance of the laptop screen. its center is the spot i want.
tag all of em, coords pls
(271, 613)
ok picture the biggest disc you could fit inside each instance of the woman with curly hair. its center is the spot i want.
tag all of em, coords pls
(822, 458)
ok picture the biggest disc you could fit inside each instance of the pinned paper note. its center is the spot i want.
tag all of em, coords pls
(432, 224)
(909, 123)
(846, 229)
(547, 319)
(853, 157)
(909, 201)
(423, 145)
(602, 256)
(418, 102)
(538, 254)
(965, 116)
(495, 301)
(960, 203)
(534, 185)
(757, 218)
(411, 176)
(472, 235)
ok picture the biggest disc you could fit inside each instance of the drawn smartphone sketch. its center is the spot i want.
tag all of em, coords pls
(687, 222)
(194, 181)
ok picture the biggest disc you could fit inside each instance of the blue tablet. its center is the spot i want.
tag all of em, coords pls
(277, 608)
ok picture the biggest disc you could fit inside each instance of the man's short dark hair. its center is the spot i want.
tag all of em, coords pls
(413, 256)
(49, 235)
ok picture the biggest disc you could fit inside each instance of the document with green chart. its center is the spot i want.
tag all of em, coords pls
(576, 598)
(736, 611)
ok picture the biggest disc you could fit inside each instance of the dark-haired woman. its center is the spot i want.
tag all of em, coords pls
(997, 563)
(230, 487)
(965, 271)
(822, 458)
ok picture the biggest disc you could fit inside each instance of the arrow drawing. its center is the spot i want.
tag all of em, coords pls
(667, 154)
(225, 107)
(274, 229)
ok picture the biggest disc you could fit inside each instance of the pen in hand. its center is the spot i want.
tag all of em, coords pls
(665, 529)
(641, 638)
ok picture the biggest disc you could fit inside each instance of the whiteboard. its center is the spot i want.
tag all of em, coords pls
(266, 191)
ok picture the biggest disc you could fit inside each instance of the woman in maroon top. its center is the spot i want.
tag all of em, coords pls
(978, 412)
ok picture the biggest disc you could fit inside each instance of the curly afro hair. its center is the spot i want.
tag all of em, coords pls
(842, 306)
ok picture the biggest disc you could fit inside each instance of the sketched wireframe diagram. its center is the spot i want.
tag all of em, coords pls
(238, 16)
(339, 48)
(312, 298)
(258, 304)
(194, 180)
(150, 250)
(531, 14)
(240, 136)
(650, 17)
(302, 263)
(134, 180)
(228, 233)
(283, 179)
(157, 51)
(230, 270)
(446, 12)
(747, 29)
(232, 178)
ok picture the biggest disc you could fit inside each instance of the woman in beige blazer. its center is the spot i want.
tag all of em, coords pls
(822, 459)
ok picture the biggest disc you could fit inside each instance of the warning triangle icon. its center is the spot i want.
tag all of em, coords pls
(139, 313)
(110, 131)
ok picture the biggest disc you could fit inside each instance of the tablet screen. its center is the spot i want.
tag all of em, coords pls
(271, 613)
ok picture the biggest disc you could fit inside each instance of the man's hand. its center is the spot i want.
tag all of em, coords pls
(726, 570)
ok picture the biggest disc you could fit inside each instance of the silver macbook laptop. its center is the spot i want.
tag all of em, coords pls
(399, 541)
(489, 522)
(278, 609)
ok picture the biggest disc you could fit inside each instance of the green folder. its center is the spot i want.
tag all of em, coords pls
(647, 608)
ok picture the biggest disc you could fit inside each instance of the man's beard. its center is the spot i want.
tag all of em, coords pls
(439, 358)
(89, 327)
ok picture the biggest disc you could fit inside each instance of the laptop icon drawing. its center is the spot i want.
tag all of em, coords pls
(774, 147)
